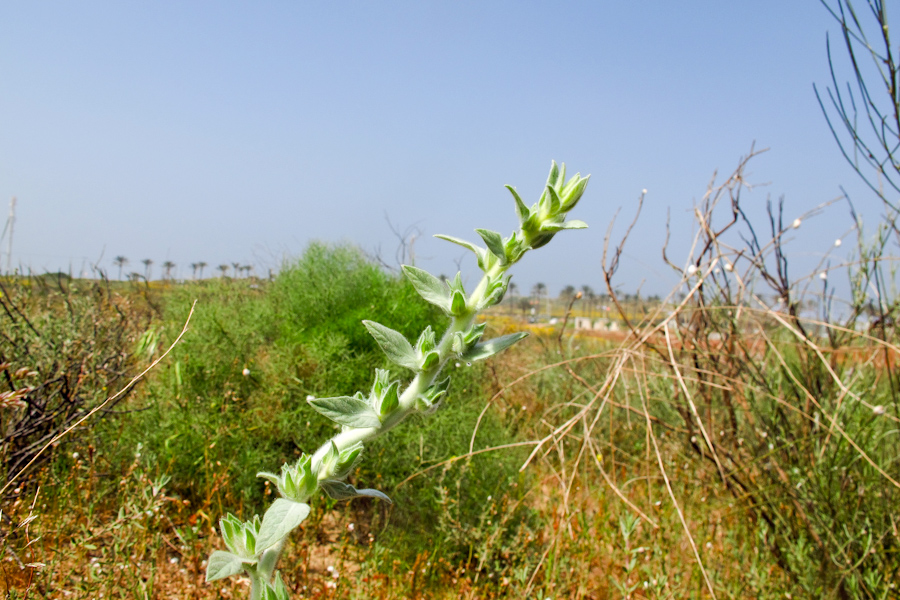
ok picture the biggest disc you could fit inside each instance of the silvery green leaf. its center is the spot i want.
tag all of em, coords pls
(553, 177)
(223, 564)
(346, 410)
(521, 210)
(428, 286)
(389, 402)
(462, 243)
(482, 254)
(274, 591)
(394, 345)
(573, 224)
(281, 591)
(340, 490)
(491, 347)
(494, 242)
(281, 518)
(572, 193)
(555, 202)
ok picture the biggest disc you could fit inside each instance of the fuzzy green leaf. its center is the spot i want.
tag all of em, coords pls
(223, 564)
(396, 347)
(281, 518)
(340, 490)
(494, 242)
(346, 410)
(428, 286)
(477, 250)
(491, 347)
(521, 210)
(573, 224)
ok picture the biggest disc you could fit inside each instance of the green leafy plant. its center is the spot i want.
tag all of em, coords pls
(254, 546)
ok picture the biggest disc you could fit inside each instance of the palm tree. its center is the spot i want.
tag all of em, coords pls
(237, 269)
(224, 269)
(512, 289)
(168, 266)
(120, 261)
(538, 291)
(147, 262)
(589, 296)
(201, 264)
(194, 270)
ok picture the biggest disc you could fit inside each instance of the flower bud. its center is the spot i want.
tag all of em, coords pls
(296, 482)
(239, 536)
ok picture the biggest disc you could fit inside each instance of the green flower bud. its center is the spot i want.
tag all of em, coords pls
(240, 537)
(337, 464)
(296, 482)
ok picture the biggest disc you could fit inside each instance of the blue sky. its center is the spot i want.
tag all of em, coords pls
(237, 132)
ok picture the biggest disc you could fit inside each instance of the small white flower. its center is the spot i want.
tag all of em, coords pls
(351, 527)
(823, 275)
(709, 544)
(173, 561)
(310, 397)
(691, 269)
(329, 568)
(728, 267)
(75, 455)
(246, 372)
(837, 243)
(644, 191)
(878, 410)
(796, 224)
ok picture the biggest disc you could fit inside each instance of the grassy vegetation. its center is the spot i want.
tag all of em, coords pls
(786, 502)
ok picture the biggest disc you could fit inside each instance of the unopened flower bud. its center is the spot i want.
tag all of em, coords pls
(796, 224)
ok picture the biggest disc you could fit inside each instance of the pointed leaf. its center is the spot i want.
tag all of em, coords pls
(462, 243)
(573, 224)
(340, 490)
(555, 202)
(554, 174)
(223, 564)
(346, 410)
(494, 242)
(491, 347)
(396, 347)
(282, 517)
(428, 286)
(521, 210)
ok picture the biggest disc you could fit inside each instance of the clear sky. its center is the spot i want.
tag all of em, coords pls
(239, 131)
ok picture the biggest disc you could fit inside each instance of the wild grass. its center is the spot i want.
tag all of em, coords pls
(719, 447)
